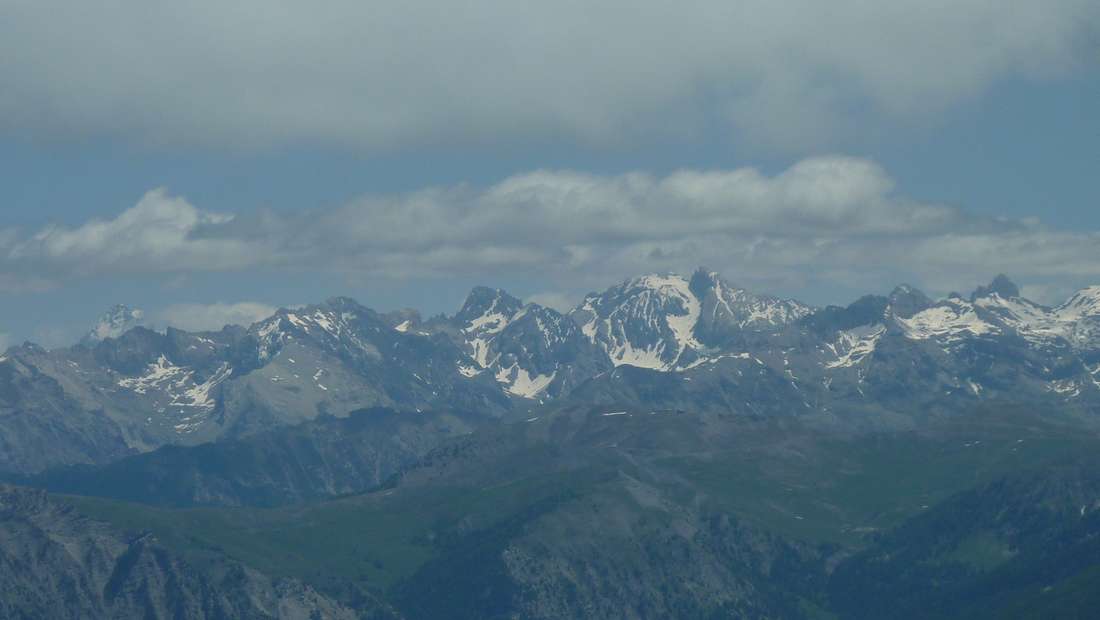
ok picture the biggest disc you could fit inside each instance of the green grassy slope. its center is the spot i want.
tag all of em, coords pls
(731, 518)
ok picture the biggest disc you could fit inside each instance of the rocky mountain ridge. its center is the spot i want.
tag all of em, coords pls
(57, 563)
(668, 341)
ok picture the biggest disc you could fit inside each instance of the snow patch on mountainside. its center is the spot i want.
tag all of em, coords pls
(856, 345)
(682, 325)
(668, 322)
(1076, 321)
(175, 390)
(1032, 321)
(158, 374)
(200, 395)
(1068, 388)
(974, 387)
(1084, 303)
(480, 330)
(952, 320)
(519, 382)
(746, 310)
(529, 387)
(1080, 318)
(623, 353)
(480, 353)
(589, 329)
(715, 359)
(521, 345)
(648, 322)
(177, 382)
(270, 337)
(489, 323)
(329, 325)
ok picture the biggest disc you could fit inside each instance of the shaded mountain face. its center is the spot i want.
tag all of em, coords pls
(601, 513)
(1000, 286)
(322, 458)
(673, 447)
(338, 357)
(146, 389)
(1027, 545)
(698, 343)
(729, 314)
(57, 563)
(43, 425)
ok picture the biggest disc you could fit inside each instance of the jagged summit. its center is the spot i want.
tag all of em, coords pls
(484, 302)
(530, 350)
(115, 322)
(728, 345)
(905, 301)
(666, 321)
(1000, 285)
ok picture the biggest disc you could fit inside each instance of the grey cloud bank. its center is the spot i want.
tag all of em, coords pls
(829, 218)
(382, 76)
(212, 317)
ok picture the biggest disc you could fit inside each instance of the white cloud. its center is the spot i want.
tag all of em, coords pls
(157, 234)
(374, 75)
(832, 219)
(5, 342)
(561, 302)
(213, 317)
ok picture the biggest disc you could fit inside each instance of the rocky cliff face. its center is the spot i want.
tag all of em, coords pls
(699, 343)
(56, 563)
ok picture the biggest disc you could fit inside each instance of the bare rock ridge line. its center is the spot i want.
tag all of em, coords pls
(710, 345)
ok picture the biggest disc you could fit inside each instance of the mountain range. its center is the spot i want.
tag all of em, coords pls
(709, 345)
(670, 447)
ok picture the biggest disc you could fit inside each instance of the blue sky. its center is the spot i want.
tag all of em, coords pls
(187, 161)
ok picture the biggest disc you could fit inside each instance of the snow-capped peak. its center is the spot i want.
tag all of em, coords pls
(485, 306)
(681, 324)
(647, 321)
(524, 346)
(115, 322)
(1083, 303)
(952, 319)
(666, 321)
(1079, 318)
(338, 325)
(485, 314)
(999, 308)
(727, 307)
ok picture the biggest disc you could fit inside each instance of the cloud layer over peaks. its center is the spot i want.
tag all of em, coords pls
(212, 317)
(822, 219)
(381, 76)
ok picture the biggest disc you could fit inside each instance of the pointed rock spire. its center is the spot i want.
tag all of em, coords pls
(1000, 285)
